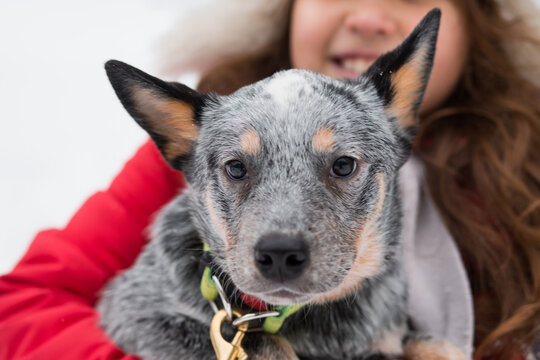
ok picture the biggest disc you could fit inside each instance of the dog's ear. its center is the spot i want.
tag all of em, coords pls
(401, 76)
(169, 112)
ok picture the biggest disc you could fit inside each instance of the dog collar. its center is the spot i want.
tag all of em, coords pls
(271, 324)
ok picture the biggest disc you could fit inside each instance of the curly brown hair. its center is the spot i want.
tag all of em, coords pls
(481, 151)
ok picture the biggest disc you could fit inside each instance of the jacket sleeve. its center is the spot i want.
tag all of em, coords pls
(46, 302)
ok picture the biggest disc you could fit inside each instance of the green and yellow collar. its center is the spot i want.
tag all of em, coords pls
(271, 324)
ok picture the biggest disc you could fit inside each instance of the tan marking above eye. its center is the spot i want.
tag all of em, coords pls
(323, 140)
(172, 119)
(250, 142)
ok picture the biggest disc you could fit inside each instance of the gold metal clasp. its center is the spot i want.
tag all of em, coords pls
(225, 350)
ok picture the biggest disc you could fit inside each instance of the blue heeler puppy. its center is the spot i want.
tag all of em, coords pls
(293, 187)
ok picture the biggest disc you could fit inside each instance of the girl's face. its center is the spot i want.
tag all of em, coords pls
(341, 38)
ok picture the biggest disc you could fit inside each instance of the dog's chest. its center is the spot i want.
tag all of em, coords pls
(344, 329)
(350, 327)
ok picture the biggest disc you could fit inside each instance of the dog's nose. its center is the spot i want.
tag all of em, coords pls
(281, 257)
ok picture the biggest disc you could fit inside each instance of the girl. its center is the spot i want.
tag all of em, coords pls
(479, 131)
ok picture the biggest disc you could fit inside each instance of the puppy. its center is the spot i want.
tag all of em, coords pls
(293, 188)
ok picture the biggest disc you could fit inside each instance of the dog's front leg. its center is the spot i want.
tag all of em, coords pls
(164, 337)
(261, 346)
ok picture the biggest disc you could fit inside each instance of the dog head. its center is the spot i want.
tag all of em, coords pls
(291, 176)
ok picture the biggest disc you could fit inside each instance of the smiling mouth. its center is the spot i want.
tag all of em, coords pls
(353, 65)
(357, 66)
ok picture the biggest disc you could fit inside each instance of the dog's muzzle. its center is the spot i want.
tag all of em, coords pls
(281, 257)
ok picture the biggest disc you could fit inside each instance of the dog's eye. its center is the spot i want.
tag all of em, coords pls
(236, 170)
(343, 167)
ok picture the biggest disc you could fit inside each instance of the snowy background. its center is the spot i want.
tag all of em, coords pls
(64, 133)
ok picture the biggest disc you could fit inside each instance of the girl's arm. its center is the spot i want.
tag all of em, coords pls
(46, 302)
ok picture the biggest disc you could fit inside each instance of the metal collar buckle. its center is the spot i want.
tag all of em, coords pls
(231, 350)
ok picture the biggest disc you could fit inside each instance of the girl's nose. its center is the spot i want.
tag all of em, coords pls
(370, 18)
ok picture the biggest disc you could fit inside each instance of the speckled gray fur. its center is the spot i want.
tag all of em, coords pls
(155, 308)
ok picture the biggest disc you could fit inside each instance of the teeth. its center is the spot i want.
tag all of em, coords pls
(358, 65)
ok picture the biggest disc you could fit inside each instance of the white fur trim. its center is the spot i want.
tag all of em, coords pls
(222, 29)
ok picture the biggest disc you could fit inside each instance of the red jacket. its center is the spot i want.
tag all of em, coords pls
(46, 302)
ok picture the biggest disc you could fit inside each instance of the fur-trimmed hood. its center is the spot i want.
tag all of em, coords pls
(225, 29)
(220, 30)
